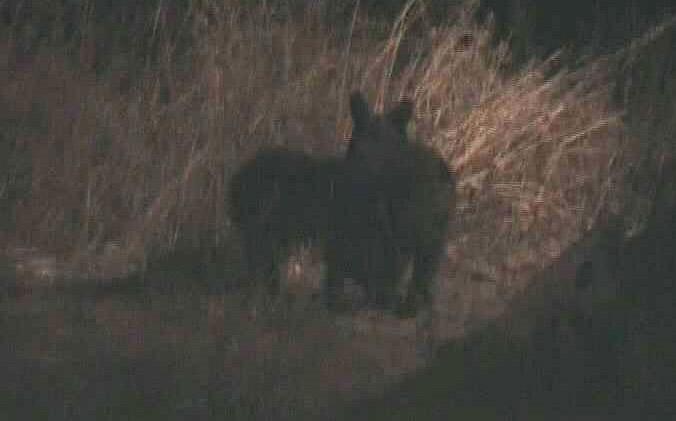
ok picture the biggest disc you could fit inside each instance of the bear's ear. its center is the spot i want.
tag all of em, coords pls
(401, 115)
(361, 115)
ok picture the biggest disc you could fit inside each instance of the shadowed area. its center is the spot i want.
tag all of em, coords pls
(611, 361)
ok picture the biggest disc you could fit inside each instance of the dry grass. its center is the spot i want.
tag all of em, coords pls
(101, 173)
(103, 170)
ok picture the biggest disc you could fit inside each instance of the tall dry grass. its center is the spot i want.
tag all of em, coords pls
(132, 164)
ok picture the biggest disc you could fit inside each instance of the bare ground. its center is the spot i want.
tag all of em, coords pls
(170, 347)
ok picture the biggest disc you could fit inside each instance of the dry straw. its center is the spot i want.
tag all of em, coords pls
(540, 153)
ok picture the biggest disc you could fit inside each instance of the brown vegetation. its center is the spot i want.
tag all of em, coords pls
(119, 132)
(138, 162)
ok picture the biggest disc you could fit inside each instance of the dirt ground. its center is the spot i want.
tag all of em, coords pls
(145, 352)
(165, 347)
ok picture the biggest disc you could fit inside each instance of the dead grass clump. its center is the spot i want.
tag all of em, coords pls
(541, 154)
(137, 170)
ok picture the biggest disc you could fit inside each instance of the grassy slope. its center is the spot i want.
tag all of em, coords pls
(114, 155)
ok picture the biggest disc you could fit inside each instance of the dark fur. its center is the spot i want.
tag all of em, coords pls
(280, 200)
(412, 194)
(384, 206)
